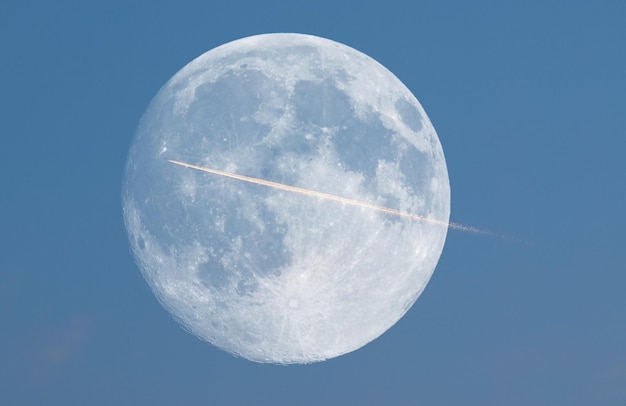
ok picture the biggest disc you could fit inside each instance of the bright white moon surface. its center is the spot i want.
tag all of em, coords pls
(267, 274)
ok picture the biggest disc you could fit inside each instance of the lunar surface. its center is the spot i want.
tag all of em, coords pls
(260, 272)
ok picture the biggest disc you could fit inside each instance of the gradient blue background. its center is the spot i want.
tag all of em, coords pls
(528, 99)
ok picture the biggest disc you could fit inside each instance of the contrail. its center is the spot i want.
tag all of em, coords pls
(326, 196)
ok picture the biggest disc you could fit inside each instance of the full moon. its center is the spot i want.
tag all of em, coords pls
(261, 272)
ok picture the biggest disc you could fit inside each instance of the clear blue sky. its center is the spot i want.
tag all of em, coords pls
(528, 99)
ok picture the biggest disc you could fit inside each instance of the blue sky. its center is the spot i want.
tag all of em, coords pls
(527, 99)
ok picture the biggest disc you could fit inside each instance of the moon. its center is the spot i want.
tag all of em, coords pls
(260, 272)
